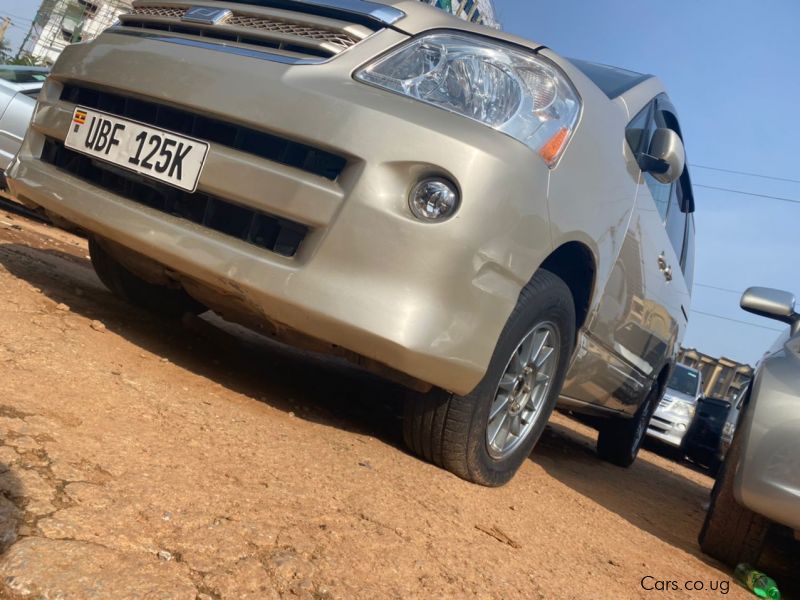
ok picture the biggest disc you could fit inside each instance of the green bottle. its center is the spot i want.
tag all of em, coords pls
(757, 582)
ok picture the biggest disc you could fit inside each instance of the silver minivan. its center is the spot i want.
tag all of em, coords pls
(676, 410)
(468, 212)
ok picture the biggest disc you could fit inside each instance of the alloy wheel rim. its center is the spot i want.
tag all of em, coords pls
(522, 390)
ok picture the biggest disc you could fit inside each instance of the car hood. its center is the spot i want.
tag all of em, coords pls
(22, 87)
(673, 395)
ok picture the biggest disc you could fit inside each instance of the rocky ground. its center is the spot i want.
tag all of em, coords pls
(143, 458)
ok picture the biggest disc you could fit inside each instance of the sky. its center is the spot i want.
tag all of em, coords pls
(731, 70)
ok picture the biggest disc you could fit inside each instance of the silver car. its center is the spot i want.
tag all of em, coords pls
(759, 484)
(19, 87)
(676, 409)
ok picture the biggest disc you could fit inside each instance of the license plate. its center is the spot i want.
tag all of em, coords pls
(156, 153)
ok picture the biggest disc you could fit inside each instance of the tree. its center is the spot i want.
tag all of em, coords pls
(25, 59)
(5, 51)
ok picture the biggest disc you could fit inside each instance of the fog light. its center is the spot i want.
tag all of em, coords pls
(433, 199)
(681, 426)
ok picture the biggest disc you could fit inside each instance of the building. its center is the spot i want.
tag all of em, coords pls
(59, 23)
(722, 377)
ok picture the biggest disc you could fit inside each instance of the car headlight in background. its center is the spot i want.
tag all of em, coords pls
(510, 90)
(728, 430)
(681, 407)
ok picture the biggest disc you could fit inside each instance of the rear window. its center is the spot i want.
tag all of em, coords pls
(612, 80)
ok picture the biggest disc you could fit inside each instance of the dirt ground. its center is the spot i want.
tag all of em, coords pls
(144, 458)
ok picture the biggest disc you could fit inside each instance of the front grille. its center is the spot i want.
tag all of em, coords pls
(659, 419)
(167, 12)
(282, 33)
(265, 231)
(257, 23)
(264, 145)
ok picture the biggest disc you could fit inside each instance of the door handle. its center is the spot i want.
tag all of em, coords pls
(664, 267)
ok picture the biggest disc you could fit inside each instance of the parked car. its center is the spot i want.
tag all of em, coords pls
(19, 87)
(759, 484)
(710, 432)
(454, 207)
(731, 423)
(676, 410)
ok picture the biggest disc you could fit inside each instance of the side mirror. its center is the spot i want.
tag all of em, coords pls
(773, 304)
(666, 158)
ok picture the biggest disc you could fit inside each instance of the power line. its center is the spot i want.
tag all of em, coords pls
(721, 289)
(747, 173)
(16, 18)
(708, 314)
(732, 191)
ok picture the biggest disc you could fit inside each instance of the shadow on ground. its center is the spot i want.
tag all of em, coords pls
(12, 515)
(331, 392)
(654, 499)
(316, 388)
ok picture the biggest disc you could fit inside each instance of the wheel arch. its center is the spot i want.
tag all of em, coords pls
(575, 264)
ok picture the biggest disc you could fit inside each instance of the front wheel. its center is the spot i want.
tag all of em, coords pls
(731, 533)
(158, 299)
(485, 435)
(620, 439)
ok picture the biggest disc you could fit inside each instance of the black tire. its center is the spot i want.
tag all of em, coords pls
(158, 299)
(620, 439)
(732, 533)
(450, 430)
(714, 467)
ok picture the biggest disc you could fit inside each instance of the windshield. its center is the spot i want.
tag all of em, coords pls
(612, 80)
(477, 11)
(17, 75)
(684, 381)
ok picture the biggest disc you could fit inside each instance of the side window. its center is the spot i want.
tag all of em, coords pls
(688, 252)
(668, 197)
(661, 192)
(675, 222)
(637, 128)
(638, 134)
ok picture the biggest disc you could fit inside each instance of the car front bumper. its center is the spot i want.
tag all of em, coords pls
(668, 426)
(428, 300)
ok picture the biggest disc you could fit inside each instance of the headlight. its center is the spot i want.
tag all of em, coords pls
(516, 92)
(681, 407)
(728, 429)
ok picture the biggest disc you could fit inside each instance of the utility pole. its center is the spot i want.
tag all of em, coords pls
(3, 28)
(36, 23)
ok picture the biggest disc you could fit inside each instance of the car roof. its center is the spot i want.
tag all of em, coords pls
(613, 81)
